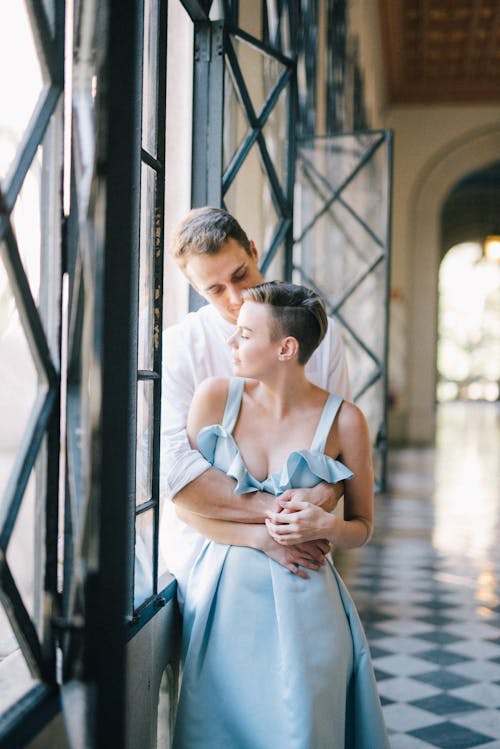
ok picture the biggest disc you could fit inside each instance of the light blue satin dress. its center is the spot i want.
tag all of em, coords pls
(271, 661)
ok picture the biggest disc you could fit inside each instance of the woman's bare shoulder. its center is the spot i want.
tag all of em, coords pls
(349, 428)
(213, 392)
(352, 427)
(213, 387)
(208, 404)
(350, 416)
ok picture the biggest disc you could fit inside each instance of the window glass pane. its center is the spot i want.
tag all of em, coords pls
(260, 71)
(249, 18)
(15, 677)
(285, 41)
(276, 136)
(80, 391)
(18, 93)
(18, 380)
(235, 121)
(26, 224)
(150, 76)
(146, 269)
(341, 214)
(50, 10)
(36, 225)
(25, 551)
(143, 583)
(49, 302)
(276, 268)
(250, 199)
(144, 440)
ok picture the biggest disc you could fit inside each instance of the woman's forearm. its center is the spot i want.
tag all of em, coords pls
(349, 534)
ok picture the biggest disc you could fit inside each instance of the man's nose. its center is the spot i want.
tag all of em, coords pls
(234, 294)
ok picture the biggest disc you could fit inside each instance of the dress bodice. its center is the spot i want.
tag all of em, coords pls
(302, 468)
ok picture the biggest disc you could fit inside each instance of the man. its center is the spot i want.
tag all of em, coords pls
(219, 261)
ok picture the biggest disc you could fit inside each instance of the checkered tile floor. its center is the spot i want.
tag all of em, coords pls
(428, 586)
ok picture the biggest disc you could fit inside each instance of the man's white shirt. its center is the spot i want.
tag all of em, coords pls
(193, 350)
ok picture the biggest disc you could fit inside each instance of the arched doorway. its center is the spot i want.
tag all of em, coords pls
(476, 151)
(468, 352)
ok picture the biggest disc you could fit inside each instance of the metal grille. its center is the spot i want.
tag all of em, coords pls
(258, 143)
(341, 248)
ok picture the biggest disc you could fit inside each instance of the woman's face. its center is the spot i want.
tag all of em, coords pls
(253, 349)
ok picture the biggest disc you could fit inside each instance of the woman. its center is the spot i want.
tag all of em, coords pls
(273, 660)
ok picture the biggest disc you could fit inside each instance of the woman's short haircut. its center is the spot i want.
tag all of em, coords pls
(204, 231)
(296, 310)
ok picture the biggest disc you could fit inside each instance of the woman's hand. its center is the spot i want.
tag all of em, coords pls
(299, 522)
(309, 555)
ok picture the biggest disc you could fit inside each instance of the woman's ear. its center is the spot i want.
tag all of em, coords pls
(289, 348)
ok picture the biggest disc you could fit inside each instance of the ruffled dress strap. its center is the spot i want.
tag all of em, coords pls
(330, 410)
(233, 403)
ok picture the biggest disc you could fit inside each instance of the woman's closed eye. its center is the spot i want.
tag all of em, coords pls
(242, 333)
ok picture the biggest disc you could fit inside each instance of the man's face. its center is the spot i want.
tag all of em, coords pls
(221, 278)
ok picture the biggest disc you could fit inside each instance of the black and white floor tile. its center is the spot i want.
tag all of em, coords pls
(427, 587)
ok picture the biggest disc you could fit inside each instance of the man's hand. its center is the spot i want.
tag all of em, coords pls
(310, 555)
(323, 495)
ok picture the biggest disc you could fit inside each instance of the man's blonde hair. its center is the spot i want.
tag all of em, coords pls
(204, 231)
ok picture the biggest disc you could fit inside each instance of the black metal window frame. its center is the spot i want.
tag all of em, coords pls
(101, 258)
(38, 649)
(104, 299)
(156, 162)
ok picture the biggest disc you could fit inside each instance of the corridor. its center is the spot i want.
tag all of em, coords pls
(427, 586)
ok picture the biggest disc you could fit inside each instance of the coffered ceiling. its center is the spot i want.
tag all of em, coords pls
(442, 51)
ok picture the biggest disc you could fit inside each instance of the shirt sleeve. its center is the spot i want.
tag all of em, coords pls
(179, 464)
(337, 374)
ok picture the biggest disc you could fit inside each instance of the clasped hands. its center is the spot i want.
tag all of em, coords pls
(299, 525)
